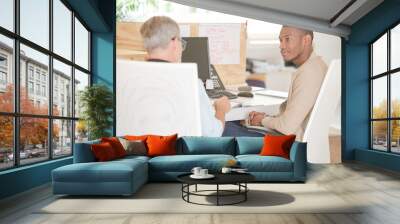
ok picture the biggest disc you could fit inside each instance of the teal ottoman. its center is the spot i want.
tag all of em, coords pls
(118, 177)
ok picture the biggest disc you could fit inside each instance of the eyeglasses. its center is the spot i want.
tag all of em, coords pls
(183, 42)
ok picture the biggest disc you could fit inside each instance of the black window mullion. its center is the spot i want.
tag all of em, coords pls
(16, 84)
(389, 100)
(38, 116)
(50, 87)
(73, 82)
(84, 70)
(371, 137)
(89, 53)
(384, 119)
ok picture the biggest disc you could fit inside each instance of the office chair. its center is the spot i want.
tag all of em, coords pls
(316, 133)
(157, 98)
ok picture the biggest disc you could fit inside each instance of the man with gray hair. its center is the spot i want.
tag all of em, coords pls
(296, 47)
(162, 41)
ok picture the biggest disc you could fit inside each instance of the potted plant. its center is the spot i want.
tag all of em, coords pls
(96, 102)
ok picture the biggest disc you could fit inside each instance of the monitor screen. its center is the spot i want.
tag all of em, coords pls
(197, 52)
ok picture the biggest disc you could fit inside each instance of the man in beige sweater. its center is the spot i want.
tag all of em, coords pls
(296, 47)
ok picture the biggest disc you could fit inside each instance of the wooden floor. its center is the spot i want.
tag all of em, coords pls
(353, 182)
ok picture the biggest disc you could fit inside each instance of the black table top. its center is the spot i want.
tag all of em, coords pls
(220, 178)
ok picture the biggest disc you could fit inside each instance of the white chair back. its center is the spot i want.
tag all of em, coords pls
(157, 98)
(316, 133)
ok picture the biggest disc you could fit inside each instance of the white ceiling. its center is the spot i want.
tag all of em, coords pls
(321, 9)
(317, 15)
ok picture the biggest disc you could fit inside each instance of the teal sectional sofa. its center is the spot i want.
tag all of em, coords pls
(125, 176)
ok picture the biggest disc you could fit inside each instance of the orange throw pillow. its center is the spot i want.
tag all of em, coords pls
(116, 145)
(136, 137)
(161, 145)
(142, 138)
(103, 152)
(277, 145)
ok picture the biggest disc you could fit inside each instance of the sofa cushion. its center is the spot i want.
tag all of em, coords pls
(83, 152)
(136, 137)
(112, 171)
(206, 145)
(135, 147)
(103, 152)
(249, 145)
(161, 145)
(277, 145)
(257, 163)
(116, 145)
(131, 158)
(185, 163)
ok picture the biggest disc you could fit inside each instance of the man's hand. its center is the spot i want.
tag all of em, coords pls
(222, 105)
(255, 118)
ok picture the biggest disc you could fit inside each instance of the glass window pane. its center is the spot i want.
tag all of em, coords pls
(81, 45)
(62, 138)
(62, 29)
(33, 139)
(81, 131)
(395, 136)
(81, 81)
(35, 21)
(6, 74)
(6, 142)
(7, 14)
(62, 89)
(34, 66)
(379, 55)
(395, 94)
(395, 47)
(379, 135)
(379, 98)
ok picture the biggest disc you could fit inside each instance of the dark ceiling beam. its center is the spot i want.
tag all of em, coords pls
(268, 15)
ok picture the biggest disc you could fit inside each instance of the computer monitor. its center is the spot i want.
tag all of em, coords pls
(197, 52)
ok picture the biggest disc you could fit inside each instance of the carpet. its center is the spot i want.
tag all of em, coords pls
(166, 198)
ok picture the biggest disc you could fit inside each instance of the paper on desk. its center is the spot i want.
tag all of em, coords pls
(273, 93)
(235, 104)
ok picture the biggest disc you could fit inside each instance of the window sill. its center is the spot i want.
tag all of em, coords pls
(26, 167)
(382, 159)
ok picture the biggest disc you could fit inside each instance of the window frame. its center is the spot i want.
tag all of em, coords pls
(16, 114)
(388, 74)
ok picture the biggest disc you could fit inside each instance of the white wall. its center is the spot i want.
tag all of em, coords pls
(265, 46)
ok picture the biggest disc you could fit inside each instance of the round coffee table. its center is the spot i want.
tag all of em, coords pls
(238, 179)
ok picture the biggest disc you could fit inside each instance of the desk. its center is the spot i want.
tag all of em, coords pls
(242, 106)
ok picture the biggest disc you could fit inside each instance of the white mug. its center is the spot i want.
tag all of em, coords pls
(196, 171)
(203, 172)
(226, 170)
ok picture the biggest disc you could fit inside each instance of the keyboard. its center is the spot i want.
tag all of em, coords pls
(214, 93)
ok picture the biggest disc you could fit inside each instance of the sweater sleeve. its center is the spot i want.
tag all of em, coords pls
(305, 90)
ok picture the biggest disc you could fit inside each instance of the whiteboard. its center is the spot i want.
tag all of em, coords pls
(184, 30)
(224, 42)
(157, 98)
